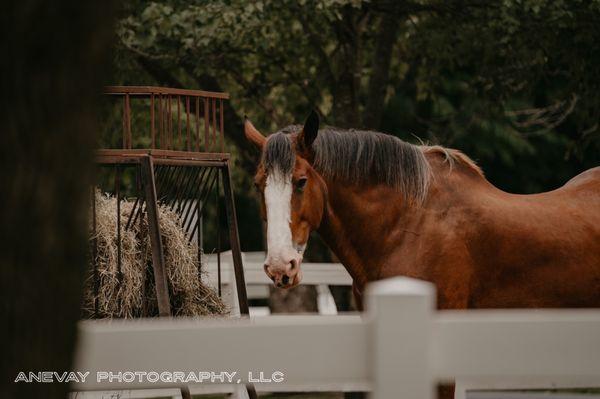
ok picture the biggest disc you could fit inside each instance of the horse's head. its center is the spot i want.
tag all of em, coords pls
(293, 197)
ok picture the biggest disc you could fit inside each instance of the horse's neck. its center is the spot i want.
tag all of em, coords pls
(364, 225)
(356, 223)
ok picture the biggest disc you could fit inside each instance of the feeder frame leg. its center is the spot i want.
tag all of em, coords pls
(185, 393)
(234, 239)
(158, 257)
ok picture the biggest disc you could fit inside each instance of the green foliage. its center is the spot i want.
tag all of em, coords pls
(514, 83)
(257, 50)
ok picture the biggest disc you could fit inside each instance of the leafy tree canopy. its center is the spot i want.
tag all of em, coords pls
(513, 83)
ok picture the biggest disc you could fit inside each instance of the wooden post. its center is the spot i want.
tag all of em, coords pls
(401, 311)
(158, 258)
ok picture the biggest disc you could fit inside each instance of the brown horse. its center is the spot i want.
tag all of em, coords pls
(386, 208)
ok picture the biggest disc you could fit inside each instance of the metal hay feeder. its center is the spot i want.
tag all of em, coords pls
(184, 168)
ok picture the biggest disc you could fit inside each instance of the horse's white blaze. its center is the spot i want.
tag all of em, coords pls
(278, 197)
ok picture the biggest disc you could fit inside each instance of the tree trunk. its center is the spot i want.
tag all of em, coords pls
(52, 66)
(347, 83)
(378, 82)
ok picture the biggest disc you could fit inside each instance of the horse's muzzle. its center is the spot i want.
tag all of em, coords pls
(284, 275)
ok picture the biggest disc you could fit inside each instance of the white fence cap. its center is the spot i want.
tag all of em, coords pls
(401, 286)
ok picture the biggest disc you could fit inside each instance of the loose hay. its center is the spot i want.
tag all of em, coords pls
(131, 293)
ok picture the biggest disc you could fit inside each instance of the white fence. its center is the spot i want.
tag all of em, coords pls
(257, 283)
(399, 348)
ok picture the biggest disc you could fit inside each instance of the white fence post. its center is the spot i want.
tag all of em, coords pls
(400, 311)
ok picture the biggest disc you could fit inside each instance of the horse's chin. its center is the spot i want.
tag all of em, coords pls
(296, 281)
(297, 278)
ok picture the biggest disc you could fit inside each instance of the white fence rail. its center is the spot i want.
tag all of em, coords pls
(399, 348)
(257, 283)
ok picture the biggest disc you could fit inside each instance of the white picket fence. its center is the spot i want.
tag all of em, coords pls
(399, 348)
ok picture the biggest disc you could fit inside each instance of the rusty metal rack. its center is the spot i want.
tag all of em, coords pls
(189, 120)
(177, 160)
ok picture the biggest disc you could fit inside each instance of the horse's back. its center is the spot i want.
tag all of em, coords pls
(585, 181)
(546, 247)
(566, 210)
(581, 192)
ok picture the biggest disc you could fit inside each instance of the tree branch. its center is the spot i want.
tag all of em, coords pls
(233, 125)
(161, 75)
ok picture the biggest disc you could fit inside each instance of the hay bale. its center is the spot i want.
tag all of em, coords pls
(130, 292)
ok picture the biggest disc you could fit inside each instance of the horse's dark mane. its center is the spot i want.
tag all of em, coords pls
(360, 157)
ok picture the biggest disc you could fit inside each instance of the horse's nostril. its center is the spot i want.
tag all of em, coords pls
(285, 280)
(294, 263)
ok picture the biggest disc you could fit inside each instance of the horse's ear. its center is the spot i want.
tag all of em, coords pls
(310, 130)
(254, 135)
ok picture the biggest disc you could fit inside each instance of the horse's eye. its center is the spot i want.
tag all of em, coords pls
(301, 183)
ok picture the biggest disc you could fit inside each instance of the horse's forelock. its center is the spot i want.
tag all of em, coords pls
(278, 156)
